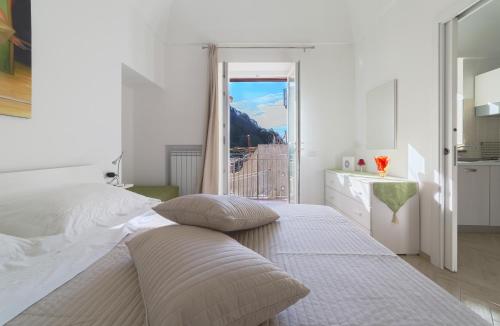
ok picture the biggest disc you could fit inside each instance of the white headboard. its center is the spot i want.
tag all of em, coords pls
(37, 179)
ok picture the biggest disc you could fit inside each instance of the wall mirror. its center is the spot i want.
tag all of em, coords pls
(381, 116)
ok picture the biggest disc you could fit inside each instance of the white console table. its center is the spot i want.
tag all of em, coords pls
(353, 194)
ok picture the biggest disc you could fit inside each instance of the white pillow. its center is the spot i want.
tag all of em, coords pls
(222, 213)
(199, 277)
(69, 209)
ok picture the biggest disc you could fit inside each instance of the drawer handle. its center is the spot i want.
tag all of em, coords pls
(470, 170)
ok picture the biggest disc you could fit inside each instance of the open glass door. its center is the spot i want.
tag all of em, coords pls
(293, 106)
(261, 130)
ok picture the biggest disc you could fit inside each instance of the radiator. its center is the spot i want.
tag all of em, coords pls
(184, 167)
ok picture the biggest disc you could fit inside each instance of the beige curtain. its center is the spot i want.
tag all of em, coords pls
(210, 179)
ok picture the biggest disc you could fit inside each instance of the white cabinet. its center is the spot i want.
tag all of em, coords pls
(495, 196)
(353, 196)
(486, 88)
(473, 195)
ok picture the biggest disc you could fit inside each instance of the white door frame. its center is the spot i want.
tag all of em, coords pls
(298, 83)
(295, 74)
(448, 142)
(226, 127)
(448, 39)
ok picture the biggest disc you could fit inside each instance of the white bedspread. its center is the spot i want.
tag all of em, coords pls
(353, 281)
(30, 269)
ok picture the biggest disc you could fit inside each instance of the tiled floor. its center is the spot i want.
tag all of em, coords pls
(477, 283)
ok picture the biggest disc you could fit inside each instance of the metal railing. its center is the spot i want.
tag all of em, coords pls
(259, 176)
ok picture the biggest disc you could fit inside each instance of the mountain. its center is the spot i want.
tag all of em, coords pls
(242, 125)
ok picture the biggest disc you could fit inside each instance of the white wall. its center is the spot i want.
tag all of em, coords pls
(179, 116)
(399, 40)
(77, 55)
(174, 115)
(327, 118)
(151, 122)
(128, 133)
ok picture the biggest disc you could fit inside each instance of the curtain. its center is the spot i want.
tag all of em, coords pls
(210, 178)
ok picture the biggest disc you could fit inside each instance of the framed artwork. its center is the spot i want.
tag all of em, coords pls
(15, 58)
(348, 163)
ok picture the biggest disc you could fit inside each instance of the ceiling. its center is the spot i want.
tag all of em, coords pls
(262, 21)
(296, 21)
(259, 21)
(156, 14)
(367, 13)
(479, 33)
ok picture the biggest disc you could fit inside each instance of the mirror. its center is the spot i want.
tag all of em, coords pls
(381, 120)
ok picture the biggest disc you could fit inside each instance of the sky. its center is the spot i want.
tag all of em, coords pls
(263, 102)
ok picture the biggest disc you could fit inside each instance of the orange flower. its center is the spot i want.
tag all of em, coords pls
(382, 163)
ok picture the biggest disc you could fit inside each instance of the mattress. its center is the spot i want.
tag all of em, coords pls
(353, 279)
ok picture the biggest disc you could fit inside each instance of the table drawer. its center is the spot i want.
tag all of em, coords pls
(353, 209)
(338, 182)
(356, 190)
(360, 192)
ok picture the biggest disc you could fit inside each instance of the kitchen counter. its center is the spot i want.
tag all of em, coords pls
(479, 163)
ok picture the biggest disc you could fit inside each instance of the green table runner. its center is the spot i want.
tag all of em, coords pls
(395, 195)
(394, 192)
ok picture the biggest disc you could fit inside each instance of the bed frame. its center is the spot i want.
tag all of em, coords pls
(35, 179)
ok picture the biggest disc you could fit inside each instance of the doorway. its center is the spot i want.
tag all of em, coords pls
(261, 119)
(470, 139)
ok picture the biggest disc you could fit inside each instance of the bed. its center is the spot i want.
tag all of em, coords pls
(353, 279)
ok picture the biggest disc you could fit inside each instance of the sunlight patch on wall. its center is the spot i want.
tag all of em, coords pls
(416, 164)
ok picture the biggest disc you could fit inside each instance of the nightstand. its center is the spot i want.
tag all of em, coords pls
(355, 195)
(162, 193)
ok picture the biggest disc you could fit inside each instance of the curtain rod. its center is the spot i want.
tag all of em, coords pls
(308, 47)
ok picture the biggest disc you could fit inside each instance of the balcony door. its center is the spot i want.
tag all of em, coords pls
(261, 131)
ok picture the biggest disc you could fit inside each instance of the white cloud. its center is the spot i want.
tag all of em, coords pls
(271, 115)
(270, 98)
(269, 110)
(252, 106)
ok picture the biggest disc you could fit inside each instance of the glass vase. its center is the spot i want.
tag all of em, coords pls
(382, 173)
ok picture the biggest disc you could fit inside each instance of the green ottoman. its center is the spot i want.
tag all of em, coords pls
(162, 193)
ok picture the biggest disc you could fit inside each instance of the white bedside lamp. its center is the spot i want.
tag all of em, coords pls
(116, 179)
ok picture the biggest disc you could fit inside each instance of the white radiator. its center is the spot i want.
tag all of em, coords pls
(184, 166)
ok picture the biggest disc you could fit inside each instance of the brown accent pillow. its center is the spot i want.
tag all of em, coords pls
(223, 213)
(195, 276)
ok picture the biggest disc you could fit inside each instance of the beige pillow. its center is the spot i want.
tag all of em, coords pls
(195, 276)
(223, 213)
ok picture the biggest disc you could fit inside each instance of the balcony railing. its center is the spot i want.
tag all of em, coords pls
(260, 175)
